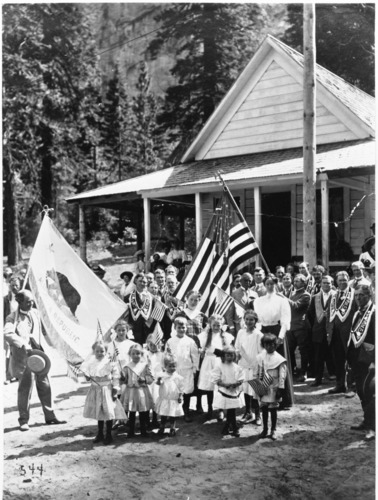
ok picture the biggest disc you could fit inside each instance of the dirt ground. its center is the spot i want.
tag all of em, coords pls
(316, 455)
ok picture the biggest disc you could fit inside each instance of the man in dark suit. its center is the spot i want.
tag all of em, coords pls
(317, 316)
(140, 306)
(362, 338)
(341, 312)
(297, 335)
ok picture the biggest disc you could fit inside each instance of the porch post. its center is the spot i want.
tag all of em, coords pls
(147, 232)
(257, 201)
(324, 188)
(83, 243)
(198, 219)
(369, 207)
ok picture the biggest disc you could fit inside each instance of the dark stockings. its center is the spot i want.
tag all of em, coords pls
(247, 399)
(231, 419)
(186, 404)
(273, 415)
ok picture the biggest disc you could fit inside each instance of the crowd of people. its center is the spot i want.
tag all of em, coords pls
(153, 364)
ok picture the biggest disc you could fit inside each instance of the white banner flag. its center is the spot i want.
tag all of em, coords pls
(71, 299)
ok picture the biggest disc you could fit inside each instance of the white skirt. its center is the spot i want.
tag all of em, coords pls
(169, 408)
(99, 404)
(222, 402)
(204, 380)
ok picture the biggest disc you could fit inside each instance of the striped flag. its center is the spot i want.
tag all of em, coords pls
(100, 336)
(73, 371)
(223, 302)
(115, 354)
(227, 247)
(159, 310)
(157, 335)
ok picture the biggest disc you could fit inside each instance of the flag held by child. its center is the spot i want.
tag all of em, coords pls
(158, 310)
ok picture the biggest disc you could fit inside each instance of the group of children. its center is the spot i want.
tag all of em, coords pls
(127, 378)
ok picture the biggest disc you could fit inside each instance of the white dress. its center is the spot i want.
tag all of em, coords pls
(185, 351)
(218, 341)
(155, 360)
(99, 403)
(275, 365)
(228, 373)
(248, 345)
(170, 389)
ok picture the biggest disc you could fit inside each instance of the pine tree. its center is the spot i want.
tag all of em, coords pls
(214, 42)
(344, 40)
(50, 77)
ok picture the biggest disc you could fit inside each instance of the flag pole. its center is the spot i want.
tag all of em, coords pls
(225, 187)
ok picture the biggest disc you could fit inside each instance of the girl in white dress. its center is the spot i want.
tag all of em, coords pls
(186, 353)
(154, 357)
(248, 346)
(171, 389)
(137, 396)
(101, 402)
(213, 341)
(228, 377)
(274, 365)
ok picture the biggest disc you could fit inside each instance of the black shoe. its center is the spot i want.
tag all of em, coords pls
(316, 383)
(273, 436)
(108, 439)
(55, 421)
(359, 427)
(209, 414)
(225, 430)
(263, 434)
(98, 438)
(236, 433)
(337, 390)
(199, 409)
(131, 434)
(188, 418)
(161, 431)
(172, 432)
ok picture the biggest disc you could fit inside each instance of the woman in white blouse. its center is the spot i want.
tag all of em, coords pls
(274, 314)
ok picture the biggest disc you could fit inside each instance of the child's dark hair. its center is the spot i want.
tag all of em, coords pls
(251, 312)
(228, 349)
(269, 338)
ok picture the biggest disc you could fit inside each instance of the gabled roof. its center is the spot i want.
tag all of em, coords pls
(345, 112)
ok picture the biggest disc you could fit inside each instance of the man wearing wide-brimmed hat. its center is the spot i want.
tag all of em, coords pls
(28, 362)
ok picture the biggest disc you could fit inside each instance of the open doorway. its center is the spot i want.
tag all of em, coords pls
(276, 228)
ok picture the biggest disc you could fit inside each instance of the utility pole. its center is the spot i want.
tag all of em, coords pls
(309, 135)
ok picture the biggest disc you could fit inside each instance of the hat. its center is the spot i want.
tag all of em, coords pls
(38, 362)
(139, 252)
(126, 273)
(99, 269)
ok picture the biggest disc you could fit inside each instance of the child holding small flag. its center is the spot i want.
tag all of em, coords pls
(274, 365)
(137, 396)
(101, 402)
(184, 349)
(118, 349)
(171, 388)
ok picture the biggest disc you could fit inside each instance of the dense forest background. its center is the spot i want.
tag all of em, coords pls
(82, 109)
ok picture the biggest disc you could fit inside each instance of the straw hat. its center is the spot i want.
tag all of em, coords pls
(38, 362)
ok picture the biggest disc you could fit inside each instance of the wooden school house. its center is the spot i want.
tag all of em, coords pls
(255, 139)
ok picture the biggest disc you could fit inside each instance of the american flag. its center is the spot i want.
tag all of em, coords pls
(158, 310)
(227, 247)
(223, 301)
(157, 335)
(100, 336)
(114, 356)
(73, 370)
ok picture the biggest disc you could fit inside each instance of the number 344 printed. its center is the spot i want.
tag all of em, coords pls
(32, 469)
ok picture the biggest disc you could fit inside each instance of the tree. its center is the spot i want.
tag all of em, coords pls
(214, 42)
(49, 81)
(344, 40)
